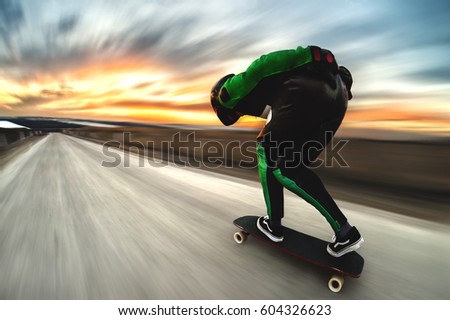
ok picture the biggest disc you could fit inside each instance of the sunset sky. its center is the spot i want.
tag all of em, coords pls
(155, 61)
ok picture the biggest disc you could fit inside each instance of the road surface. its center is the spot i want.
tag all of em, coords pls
(71, 228)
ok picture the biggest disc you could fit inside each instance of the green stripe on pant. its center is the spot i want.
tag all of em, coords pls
(262, 171)
(292, 186)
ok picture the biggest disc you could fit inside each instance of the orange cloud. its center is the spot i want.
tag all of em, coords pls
(399, 119)
(393, 113)
(124, 89)
(132, 89)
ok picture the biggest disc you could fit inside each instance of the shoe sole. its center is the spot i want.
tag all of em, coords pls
(351, 248)
(269, 235)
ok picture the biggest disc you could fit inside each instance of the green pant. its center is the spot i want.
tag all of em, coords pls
(301, 180)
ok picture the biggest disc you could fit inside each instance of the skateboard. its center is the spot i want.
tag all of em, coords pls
(305, 247)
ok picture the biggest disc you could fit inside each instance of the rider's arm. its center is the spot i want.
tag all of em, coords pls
(239, 86)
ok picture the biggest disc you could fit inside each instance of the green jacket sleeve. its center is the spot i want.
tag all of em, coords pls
(273, 63)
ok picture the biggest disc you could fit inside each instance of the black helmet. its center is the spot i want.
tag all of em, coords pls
(225, 115)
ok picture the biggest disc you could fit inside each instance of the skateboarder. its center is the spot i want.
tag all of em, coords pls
(303, 93)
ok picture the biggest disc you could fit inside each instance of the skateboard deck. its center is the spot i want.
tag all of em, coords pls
(307, 248)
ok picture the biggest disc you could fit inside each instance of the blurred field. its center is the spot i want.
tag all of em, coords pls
(410, 178)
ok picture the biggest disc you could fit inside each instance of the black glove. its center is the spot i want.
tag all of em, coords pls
(346, 76)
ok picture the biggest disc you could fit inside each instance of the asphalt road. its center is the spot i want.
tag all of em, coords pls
(71, 228)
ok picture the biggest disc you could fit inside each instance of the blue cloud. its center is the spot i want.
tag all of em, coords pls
(67, 24)
(11, 19)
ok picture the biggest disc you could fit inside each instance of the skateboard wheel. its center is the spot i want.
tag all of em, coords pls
(336, 282)
(240, 237)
